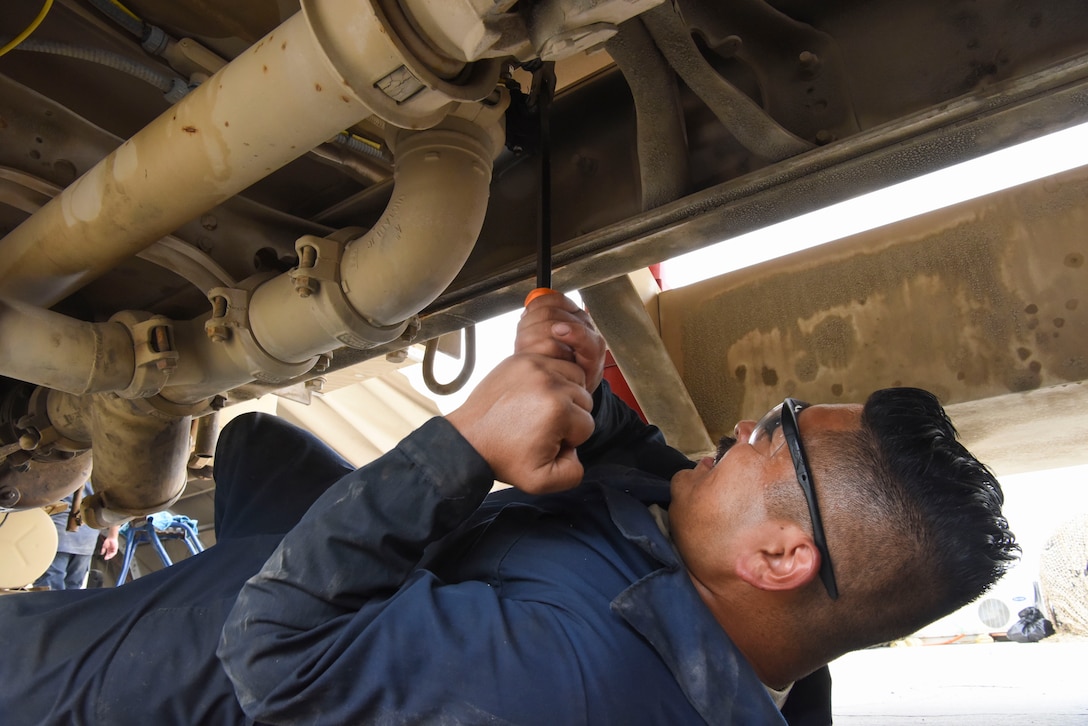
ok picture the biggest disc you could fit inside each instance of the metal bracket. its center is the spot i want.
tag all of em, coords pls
(153, 346)
(321, 278)
(229, 325)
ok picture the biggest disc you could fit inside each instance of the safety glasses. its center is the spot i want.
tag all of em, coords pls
(785, 416)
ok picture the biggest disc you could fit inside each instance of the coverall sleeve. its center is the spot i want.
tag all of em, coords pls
(356, 545)
(341, 626)
(620, 437)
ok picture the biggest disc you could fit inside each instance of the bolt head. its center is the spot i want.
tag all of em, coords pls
(30, 439)
(218, 333)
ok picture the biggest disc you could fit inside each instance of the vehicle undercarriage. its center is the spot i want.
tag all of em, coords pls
(204, 202)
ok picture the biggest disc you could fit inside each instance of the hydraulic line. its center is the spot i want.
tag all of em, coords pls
(121, 15)
(29, 29)
(165, 82)
(749, 124)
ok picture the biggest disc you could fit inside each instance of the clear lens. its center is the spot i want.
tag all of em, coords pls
(766, 426)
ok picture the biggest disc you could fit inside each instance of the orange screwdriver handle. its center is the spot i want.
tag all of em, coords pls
(538, 292)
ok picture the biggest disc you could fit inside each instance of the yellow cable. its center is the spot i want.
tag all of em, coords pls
(125, 10)
(363, 139)
(29, 29)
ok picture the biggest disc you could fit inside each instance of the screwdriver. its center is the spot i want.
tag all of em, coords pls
(544, 90)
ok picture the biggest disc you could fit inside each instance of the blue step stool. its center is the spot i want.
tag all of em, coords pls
(153, 530)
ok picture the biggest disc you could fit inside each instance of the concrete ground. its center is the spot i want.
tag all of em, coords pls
(980, 684)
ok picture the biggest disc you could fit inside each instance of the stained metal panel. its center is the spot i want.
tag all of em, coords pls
(984, 299)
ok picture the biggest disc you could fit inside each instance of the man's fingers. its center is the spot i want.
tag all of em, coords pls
(585, 343)
(564, 473)
(555, 327)
(526, 417)
(580, 423)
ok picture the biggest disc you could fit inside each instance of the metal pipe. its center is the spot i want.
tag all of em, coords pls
(320, 72)
(406, 260)
(59, 352)
(391, 273)
(140, 466)
(288, 93)
(360, 294)
(205, 435)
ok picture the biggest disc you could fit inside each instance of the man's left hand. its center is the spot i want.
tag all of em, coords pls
(554, 326)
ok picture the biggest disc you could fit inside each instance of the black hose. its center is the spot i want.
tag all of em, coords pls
(165, 82)
(133, 25)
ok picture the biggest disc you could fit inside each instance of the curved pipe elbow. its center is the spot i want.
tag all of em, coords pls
(441, 188)
(362, 295)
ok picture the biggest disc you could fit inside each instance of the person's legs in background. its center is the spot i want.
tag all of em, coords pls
(78, 567)
(53, 578)
(66, 572)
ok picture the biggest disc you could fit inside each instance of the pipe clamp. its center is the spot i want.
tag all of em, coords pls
(153, 345)
(241, 345)
(334, 313)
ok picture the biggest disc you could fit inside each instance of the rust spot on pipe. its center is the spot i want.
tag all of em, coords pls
(189, 129)
(345, 99)
(317, 87)
(283, 46)
(264, 68)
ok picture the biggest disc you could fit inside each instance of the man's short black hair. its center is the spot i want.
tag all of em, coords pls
(947, 501)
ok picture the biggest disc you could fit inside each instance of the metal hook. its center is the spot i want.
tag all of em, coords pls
(445, 389)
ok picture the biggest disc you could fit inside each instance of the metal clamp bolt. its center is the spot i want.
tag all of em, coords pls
(214, 328)
(304, 284)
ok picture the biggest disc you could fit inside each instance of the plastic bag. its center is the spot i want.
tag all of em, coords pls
(1031, 627)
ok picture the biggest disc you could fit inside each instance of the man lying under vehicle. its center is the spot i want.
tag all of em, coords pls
(616, 582)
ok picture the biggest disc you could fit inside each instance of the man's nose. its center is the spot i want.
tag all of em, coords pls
(743, 430)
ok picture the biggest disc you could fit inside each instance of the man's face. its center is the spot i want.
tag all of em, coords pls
(715, 504)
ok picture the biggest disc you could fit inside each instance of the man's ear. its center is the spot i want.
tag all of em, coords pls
(781, 557)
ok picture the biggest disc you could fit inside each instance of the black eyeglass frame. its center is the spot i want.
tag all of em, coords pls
(792, 436)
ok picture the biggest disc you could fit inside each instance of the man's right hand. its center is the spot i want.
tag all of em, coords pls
(526, 418)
